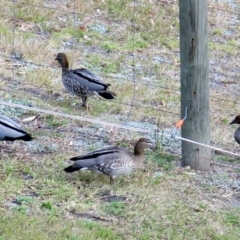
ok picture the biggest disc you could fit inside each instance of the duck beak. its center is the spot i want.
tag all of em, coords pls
(233, 121)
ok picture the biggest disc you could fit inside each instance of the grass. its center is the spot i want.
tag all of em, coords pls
(134, 47)
(40, 200)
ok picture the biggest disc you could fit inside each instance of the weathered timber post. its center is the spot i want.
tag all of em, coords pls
(193, 15)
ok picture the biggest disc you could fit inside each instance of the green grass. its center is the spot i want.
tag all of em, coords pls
(62, 206)
(75, 206)
(132, 41)
(110, 46)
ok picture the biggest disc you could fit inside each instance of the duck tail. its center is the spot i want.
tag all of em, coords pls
(107, 94)
(26, 137)
(71, 169)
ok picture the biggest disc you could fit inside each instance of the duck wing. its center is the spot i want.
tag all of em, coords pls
(97, 153)
(8, 121)
(89, 76)
(10, 130)
(102, 162)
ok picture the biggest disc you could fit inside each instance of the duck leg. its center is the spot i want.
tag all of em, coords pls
(84, 100)
(111, 180)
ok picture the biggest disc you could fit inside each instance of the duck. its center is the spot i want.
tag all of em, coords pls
(82, 82)
(11, 131)
(112, 161)
(236, 120)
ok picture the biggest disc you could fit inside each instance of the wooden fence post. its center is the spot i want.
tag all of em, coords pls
(193, 15)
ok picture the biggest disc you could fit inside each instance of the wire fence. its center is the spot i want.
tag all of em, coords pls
(129, 49)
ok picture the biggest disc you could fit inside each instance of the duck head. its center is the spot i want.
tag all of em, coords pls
(62, 60)
(142, 144)
(236, 120)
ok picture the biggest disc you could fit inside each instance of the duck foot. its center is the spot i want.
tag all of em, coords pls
(85, 107)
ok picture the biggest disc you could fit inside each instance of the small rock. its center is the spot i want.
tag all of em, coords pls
(16, 55)
(99, 28)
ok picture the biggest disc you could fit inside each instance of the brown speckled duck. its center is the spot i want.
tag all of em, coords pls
(112, 161)
(237, 132)
(82, 82)
(11, 131)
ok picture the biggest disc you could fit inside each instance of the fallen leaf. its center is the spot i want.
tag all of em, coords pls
(29, 119)
(163, 103)
(82, 28)
(152, 22)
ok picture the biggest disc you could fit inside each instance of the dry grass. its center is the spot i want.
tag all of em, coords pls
(141, 63)
(42, 32)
